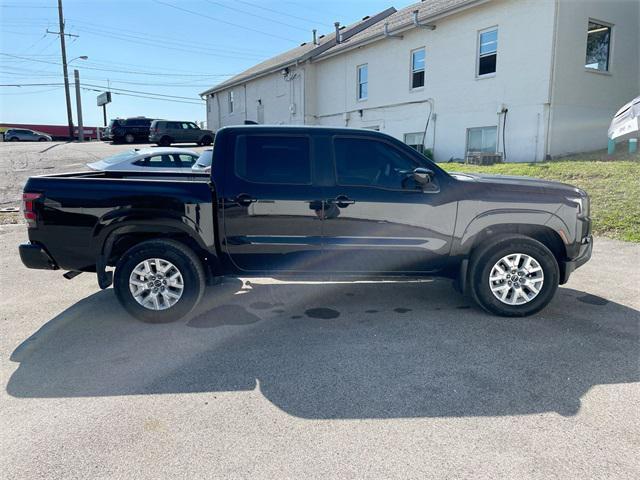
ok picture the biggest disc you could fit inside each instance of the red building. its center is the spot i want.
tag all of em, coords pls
(58, 132)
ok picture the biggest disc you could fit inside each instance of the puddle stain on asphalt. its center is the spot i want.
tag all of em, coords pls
(593, 299)
(223, 315)
(371, 311)
(296, 317)
(463, 307)
(401, 310)
(322, 312)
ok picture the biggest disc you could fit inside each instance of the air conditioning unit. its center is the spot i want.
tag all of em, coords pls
(483, 158)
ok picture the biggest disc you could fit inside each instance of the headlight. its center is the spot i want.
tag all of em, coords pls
(583, 205)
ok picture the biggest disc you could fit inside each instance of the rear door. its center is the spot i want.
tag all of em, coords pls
(272, 206)
(378, 219)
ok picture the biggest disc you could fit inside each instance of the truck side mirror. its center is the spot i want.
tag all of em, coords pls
(423, 176)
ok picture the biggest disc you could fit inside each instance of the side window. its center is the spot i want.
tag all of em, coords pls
(193, 126)
(598, 46)
(366, 162)
(363, 82)
(186, 126)
(273, 159)
(482, 139)
(417, 68)
(487, 51)
(157, 161)
(184, 160)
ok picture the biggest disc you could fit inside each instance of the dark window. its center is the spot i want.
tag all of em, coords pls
(368, 162)
(598, 46)
(173, 125)
(488, 52)
(273, 159)
(417, 68)
(181, 160)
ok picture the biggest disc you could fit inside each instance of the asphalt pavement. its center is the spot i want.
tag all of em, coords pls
(277, 379)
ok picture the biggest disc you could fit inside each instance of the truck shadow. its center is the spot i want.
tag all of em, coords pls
(338, 350)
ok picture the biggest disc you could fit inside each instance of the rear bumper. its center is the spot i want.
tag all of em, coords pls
(35, 256)
(567, 267)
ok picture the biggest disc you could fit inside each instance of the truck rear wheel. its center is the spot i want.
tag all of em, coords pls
(159, 281)
(513, 276)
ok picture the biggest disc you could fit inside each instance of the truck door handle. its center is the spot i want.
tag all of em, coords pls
(244, 200)
(342, 201)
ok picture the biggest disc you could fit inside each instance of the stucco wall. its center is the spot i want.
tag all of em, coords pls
(461, 100)
(584, 101)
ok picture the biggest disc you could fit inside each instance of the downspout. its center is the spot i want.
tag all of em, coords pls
(217, 95)
(551, 92)
(245, 102)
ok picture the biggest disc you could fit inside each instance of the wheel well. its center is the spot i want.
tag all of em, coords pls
(124, 242)
(545, 235)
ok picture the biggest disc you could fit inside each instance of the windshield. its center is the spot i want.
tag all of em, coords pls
(205, 159)
(120, 157)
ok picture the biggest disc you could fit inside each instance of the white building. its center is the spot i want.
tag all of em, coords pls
(549, 73)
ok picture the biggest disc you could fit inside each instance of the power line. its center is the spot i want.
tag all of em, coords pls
(314, 22)
(237, 25)
(124, 71)
(255, 15)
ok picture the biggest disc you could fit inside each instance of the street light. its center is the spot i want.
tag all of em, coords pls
(81, 57)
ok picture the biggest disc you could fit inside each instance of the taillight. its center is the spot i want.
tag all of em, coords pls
(28, 202)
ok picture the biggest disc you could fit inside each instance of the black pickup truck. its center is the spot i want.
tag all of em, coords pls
(306, 201)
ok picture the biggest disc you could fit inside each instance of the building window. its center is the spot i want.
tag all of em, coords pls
(417, 68)
(598, 46)
(487, 51)
(231, 101)
(483, 139)
(363, 82)
(414, 140)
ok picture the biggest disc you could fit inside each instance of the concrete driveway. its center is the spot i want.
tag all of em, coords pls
(273, 379)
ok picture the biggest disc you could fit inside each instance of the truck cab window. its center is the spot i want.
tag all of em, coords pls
(273, 159)
(363, 162)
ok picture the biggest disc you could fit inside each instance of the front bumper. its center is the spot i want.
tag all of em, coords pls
(35, 256)
(567, 267)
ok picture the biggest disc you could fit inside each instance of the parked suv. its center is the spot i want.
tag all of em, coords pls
(24, 135)
(165, 132)
(128, 130)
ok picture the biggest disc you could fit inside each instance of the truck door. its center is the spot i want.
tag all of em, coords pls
(377, 217)
(272, 209)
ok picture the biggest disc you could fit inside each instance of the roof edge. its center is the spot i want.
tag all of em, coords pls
(348, 33)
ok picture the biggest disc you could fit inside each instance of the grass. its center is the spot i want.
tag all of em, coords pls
(613, 185)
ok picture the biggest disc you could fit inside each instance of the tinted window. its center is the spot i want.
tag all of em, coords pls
(166, 161)
(273, 159)
(205, 158)
(184, 160)
(372, 163)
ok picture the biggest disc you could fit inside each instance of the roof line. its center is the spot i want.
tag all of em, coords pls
(348, 33)
(407, 26)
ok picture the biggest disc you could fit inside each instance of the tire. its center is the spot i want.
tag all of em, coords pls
(206, 141)
(183, 261)
(42, 139)
(13, 139)
(534, 290)
(164, 141)
(129, 138)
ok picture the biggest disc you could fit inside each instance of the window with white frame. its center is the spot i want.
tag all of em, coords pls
(598, 46)
(417, 68)
(482, 139)
(487, 51)
(231, 101)
(415, 140)
(363, 82)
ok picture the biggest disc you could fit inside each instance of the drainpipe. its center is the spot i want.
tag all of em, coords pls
(550, 94)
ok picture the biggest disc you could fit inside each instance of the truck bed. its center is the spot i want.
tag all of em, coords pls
(79, 210)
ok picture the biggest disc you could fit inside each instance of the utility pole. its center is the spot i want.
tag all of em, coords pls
(64, 69)
(76, 76)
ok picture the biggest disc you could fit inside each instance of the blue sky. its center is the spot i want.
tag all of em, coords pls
(169, 47)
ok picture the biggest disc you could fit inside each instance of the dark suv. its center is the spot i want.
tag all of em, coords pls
(166, 132)
(128, 130)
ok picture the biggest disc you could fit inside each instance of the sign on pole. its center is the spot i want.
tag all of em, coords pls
(104, 98)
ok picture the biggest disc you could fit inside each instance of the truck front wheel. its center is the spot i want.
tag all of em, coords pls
(159, 281)
(513, 276)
